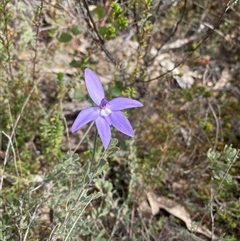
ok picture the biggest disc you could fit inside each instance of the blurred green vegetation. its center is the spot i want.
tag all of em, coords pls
(186, 140)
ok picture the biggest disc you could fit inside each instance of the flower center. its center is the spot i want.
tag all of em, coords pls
(105, 111)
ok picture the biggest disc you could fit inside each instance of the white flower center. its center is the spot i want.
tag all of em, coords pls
(105, 111)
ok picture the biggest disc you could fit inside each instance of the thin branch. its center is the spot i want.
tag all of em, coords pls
(32, 219)
(173, 32)
(7, 45)
(211, 31)
(217, 125)
(16, 123)
(84, 136)
(5, 159)
(99, 40)
(37, 23)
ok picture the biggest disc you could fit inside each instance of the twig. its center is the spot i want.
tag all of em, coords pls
(99, 40)
(225, 174)
(212, 209)
(80, 214)
(5, 160)
(212, 181)
(66, 125)
(173, 32)
(4, 12)
(109, 9)
(217, 125)
(16, 123)
(212, 30)
(39, 13)
(94, 151)
(32, 219)
(89, 128)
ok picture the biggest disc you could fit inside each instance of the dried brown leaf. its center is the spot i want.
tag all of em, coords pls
(175, 209)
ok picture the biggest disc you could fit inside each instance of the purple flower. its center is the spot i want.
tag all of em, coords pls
(106, 113)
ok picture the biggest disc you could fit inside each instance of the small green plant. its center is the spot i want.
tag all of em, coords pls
(116, 21)
(51, 134)
(224, 166)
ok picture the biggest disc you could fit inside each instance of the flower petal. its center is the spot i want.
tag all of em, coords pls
(104, 131)
(85, 116)
(122, 103)
(94, 86)
(120, 122)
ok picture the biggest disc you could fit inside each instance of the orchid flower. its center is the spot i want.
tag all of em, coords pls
(106, 113)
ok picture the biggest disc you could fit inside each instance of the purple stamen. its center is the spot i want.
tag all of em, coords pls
(103, 103)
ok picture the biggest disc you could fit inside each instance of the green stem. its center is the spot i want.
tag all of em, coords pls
(85, 184)
(94, 150)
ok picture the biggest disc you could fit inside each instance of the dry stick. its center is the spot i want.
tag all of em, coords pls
(80, 214)
(15, 126)
(109, 9)
(89, 128)
(6, 45)
(173, 32)
(66, 125)
(145, 228)
(93, 154)
(35, 214)
(91, 24)
(52, 233)
(13, 150)
(37, 23)
(217, 124)
(225, 174)
(32, 219)
(25, 102)
(211, 208)
(14, 154)
(212, 189)
(132, 222)
(7, 37)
